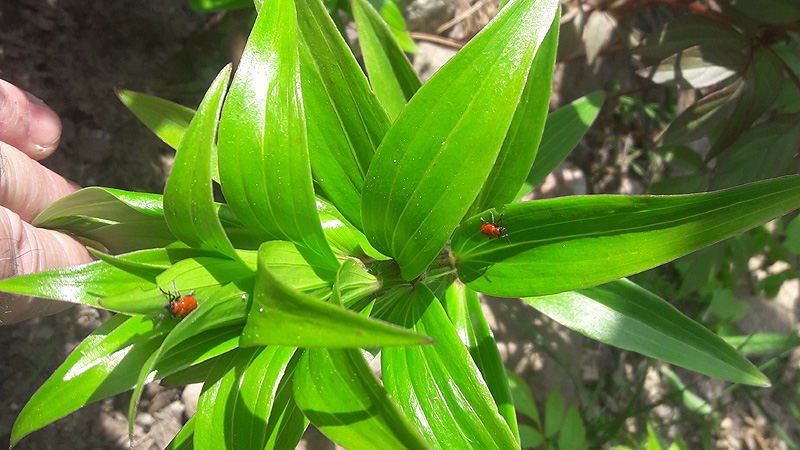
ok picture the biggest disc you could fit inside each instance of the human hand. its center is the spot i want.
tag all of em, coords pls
(29, 132)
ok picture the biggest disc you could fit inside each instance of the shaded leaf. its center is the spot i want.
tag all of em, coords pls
(696, 67)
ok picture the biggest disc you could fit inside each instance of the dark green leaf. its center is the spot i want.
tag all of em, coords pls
(434, 160)
(703, 115)
(568, 243)
(690, 30)
(439, 387)
(525, 132)
(390, 74)
(777, 11)
(264, 166)
(765, 151)
(624, 315)
(762, 84)
(553, 413)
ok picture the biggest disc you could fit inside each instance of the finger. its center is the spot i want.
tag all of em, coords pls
(25, 249)
(27, 187)
(27, 123)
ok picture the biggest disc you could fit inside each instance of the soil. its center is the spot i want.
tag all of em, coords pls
(73, 54)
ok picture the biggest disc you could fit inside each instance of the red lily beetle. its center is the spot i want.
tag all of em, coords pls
(494, 229)
(179, 305)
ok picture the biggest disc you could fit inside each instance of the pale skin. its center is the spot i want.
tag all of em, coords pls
(29, 132)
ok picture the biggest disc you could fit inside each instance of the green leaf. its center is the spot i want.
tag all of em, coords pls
(338, 393)
(568, 243)
(243, 402)
(696, 67)
(703, 115)
(87, 283)
(104, 364)
(121, 221)
(166, 119)
(264, 166)
(345, 120)
(778, 11)
(390, 74)
(523, 399)
(440, 388)
(185, 438)
(763, 343)
(464, 310)
(219, 5)
(690, 30)
(573, 432)
(525, 132)
(765, 151)
(624, 315)
(553, 413)
(188, 197)
(281, 315)
(762, 84)
(562, 131)
(202, 275)
(434, 160)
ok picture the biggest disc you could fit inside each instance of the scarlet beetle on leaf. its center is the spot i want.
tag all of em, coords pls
(179, 305)
(494, 229)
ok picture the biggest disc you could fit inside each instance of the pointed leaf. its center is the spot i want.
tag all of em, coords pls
(696, 67)
(568, 243)
(166, 119)
(239, 405)
(281, 315)
(264, 165)
(525, 132)
(439, 387)
(563, 130)
(432, 163)
(624, 315)
(104, 364)
(344, 118)
(464, 310)
(188, 197)
(390, 74)
(338, 393)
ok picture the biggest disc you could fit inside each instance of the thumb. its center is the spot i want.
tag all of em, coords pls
(27, 249)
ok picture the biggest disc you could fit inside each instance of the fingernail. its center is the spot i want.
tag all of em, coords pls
(44, 127)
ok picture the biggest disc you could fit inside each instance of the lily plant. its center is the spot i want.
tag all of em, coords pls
(363, 217)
